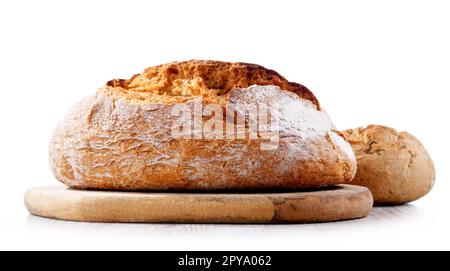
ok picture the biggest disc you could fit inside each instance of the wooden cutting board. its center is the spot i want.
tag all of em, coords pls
(341, 202)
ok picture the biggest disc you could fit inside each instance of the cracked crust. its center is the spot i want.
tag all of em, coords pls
(211, 79)
(393, 165)
(121, 137)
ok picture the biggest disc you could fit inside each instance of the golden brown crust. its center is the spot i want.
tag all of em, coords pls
(121, 137)
(199, 76)
(393, 165)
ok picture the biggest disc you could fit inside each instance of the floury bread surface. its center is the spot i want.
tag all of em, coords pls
(122, 137)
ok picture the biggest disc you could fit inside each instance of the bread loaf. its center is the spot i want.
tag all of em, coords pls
(395, 166)
(123, 137)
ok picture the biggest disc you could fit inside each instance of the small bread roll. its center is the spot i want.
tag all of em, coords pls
(394, 165)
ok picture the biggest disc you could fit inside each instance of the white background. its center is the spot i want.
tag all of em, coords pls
(384, 62)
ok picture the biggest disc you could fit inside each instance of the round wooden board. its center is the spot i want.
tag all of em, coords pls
(341, 202)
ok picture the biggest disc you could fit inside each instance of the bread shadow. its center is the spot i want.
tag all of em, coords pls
(224, 191)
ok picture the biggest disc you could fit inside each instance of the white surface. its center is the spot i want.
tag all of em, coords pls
(385, 62)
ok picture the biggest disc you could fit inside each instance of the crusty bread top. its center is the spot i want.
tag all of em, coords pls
(374, 138)
(210, 79)
(377, 144)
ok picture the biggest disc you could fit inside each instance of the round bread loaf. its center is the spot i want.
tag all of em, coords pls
(123, 137)
(393, 165)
